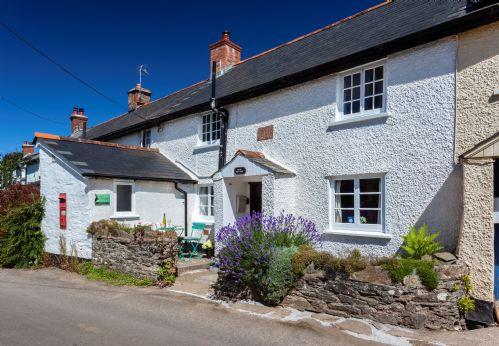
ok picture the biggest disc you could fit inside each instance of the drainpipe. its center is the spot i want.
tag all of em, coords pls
(224, 117)
(185, 206)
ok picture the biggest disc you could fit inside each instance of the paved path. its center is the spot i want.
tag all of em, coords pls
(52, 307)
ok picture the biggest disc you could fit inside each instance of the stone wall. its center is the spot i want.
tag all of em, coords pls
(370, 294)
(139, 258)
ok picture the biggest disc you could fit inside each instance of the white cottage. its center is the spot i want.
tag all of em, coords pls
(351, 126)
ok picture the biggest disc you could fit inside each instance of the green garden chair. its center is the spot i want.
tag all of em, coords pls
(194, 241)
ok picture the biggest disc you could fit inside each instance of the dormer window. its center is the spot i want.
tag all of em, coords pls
(210, 130)
(146, 139)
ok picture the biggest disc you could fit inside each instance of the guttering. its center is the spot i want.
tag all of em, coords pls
(185, 206)
(224, 117)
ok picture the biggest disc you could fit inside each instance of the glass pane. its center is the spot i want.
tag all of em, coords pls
(356, 93)
(344, 216)
(370, 216)
(124, 198)
(203, 210)
(344, 201)
(370, 201)
(203, 200)
(347, 108)
(369, 75)
(356, 106)
(368, 103)
(344, 186)
(369, 89)
(369, 185)
(347, 81)
(379, 72)
(212, 190)
(203, 190)
(378, 101)
(212, 211)
(347, 95)
(356, 79)
(378, 89)
(206, 119)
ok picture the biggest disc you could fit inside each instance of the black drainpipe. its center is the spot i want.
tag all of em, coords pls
(185, 206)
(224, 117)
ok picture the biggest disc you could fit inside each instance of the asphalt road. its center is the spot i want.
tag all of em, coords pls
(51, 307)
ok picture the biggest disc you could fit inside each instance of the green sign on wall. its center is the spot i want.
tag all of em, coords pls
(102, 199)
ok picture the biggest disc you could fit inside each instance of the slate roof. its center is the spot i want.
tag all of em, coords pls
(109, 160)
(261, 160)
(372, 34)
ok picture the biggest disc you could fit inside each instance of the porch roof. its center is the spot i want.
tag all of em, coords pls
(488, 148)
(260, 159)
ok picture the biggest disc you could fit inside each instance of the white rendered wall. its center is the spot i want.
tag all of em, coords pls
(56, 179)
(413, 147)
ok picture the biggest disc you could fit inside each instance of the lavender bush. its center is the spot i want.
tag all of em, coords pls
(248, 245)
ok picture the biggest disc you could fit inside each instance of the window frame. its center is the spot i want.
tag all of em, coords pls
(356, 226)
(212, 129)
(115, 199)
(210, 205)
(143, 138)
(340, 93)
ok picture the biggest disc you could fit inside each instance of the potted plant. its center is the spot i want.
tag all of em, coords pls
(209, 248)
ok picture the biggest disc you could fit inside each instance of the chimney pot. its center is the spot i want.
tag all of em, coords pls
(78, 122)
(225, 53)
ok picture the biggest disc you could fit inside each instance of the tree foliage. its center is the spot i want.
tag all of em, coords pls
(9, 163)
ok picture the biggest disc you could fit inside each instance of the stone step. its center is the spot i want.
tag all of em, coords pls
(192, 264)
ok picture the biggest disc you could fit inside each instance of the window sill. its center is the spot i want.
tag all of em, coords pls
(359, 233)
(359, 118)
(206, 147)
(124, 216)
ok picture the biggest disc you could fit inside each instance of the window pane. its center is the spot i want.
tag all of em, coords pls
(379, 72)
(344, 201)
(378, 89)
(344, 186)
(356, 106)
(124, 198)
(344, 216)
(347, 108)
(368, 103)
(369, 75)
(370, 201)
(356, 79)
(347, 95)
(356, 93)
(203, 200)
(203, 210)
(203, 190)
(369, 89)
(369, 185)
(378, 101)
(347, 81)
(370, 216)
(212, 211)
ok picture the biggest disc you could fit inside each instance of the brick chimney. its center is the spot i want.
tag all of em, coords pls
(138, 96)
(78, 122)
(225, 52)
(28, 148)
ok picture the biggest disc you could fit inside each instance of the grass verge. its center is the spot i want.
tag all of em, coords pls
(112, 277)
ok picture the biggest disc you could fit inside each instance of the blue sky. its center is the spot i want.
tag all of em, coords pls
(104, 42)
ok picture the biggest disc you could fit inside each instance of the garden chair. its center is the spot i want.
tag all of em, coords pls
(194, 241)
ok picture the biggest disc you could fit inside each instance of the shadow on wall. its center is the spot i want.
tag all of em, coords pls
(354, 241)
(443, 213)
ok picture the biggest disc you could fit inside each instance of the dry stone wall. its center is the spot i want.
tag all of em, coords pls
(139, 258)
(370, 294)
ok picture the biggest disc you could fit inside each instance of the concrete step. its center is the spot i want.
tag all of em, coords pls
(190, 264)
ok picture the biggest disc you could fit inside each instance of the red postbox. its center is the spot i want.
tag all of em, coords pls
(62, 211)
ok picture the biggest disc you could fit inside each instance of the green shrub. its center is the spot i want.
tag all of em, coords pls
(23, 241)
(167, 272)
(275, 283)
(106, 228)
(418, 243)
(112, 277)
(326, 261)
(398, 268)
(465, 304)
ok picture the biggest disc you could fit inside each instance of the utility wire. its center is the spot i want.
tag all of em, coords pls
(22, 39)
(12, 103)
